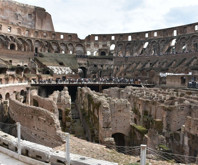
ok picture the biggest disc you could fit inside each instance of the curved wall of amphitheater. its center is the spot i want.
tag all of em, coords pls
(142, 55)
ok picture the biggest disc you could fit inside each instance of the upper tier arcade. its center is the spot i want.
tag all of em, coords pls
(29, 28)
(180, 39)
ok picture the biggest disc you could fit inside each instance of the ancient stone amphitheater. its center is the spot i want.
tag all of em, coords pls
(49, 78)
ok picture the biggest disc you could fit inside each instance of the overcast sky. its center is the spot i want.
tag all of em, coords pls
(86, 17)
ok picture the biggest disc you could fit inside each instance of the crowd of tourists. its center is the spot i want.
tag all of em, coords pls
(111, 80)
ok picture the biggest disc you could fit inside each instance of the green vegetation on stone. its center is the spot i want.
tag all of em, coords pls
(140, 129)
(164, 148)
(56, 59)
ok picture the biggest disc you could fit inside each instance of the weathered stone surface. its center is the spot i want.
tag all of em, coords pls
(105, 116)
(38, 124)
(163, 113)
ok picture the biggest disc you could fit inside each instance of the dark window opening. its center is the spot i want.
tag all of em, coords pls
(12, 46)
(61, 63)
(35, 103)
(103, 53)
(30, 16)
(36, 50)
(60, 114)
(183, 80)
(120, 141)
(84, 72)
(7, 96)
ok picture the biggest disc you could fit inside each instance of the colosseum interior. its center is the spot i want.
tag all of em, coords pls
(125, 89)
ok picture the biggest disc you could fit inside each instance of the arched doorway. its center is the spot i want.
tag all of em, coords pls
(1, 98)
(12, 47)
(119, 139)
(83, 73)
(7, 96)
(103, 53)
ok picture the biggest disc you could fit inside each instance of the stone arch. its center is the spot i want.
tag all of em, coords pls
(95, 53)
(83, 72)
(120, 50)
(70, 48)
(112, 47)
(194, 43)
(19, 70)
(2, 41)
(60, 114)
(1, 98)
(7, 96)
(119, 139)
(128, 50)
(23, 94)
(12, 46)
(47, 47)
(56, 47)
(27, 71)
(181, 45)
(21, 44)
(35, 103)
(63, 48)
(171, 47)
(88, 53)
(103, 53)
(29, 46)
(79, 49)
(164, 44)
(37, 46)
(154, 48)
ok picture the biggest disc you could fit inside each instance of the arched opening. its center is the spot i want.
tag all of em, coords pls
(36, 50)
(95, 53)
(12, 46)
(119, 141)
(183, 80)
(79, 50)
(1, 98)
(35, 103)
(83, 73)
(22, 93)
(47, 71)
(103, 53)
(60, 115)
(88, 53)
(7, 96)
(112, 47)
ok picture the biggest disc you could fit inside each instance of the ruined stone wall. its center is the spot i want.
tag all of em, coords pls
(191, 125)
(45, 103)
(159, 115)
(38, 124)
(59, 103)
(104, 116)
(63, 103)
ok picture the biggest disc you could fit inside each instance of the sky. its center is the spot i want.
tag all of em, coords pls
(86, 17)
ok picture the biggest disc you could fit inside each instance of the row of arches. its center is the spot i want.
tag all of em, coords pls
(183, 44)
(7, 95)
(157, 46)
(30, 45)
